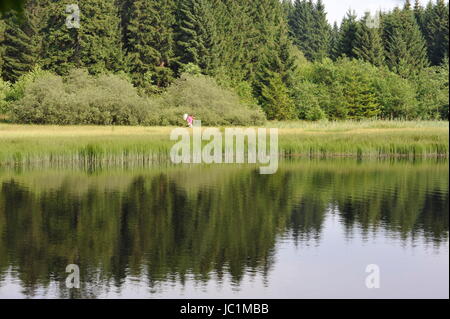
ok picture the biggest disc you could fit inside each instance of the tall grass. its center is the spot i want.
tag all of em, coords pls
(92, 145)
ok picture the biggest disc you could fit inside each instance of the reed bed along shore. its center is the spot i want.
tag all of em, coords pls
(116, 145)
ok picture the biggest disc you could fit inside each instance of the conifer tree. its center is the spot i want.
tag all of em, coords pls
(404, 44)
(436, 30)
(347, 37)
(278, 103)
(95, 45)
(2, 38)
(288, 8)
(197, 38)
(322, 33)
(368, 44)
(301, 24)
(334, 42)
(150, 41)
(419, 14)
(361, 101)
(276, 65)
(22, 43)
(310, 29)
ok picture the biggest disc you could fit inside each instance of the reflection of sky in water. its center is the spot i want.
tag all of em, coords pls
(332, 267)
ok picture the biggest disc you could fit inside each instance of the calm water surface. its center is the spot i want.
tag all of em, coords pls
(309, 231)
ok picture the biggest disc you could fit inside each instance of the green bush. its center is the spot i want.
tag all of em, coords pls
(308, 105)
(353, 89)
(201, 96)
(395, 94)
(80, 99)
(433, 92)
(5, 88)
(17, 90)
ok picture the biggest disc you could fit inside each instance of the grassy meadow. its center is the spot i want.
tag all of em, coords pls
(47, 144)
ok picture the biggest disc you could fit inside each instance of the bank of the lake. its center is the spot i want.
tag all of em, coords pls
(22, 144)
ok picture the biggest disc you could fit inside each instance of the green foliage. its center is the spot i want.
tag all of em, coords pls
(368, 43)
(348, 35)
(17, 90)
(277, 104)
(310, 29)
(202, 97)
(5, 88)
(396, 95)
(149, 39)
(435, 25)
(404, 43)
(308, 104)
(191, 69)
(354, 89)
(96, 45)
(80, 99)
(2, 39)
(253, 48)
(8, 5)
(198, 34)
(22, 40)
(433, 92)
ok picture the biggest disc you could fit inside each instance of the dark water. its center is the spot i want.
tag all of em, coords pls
(309, 231)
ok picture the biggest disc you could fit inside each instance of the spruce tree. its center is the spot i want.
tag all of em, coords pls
(310, 29)
(22, 43)
(288, 8)
(436, 30)
(404, 44)
(197, 38)
(150, 41)
(2, 39)
(275, 72)
(334, 42)
(278, 103)
(419, 14)
(301, 24)
(368, 44)
(347, 36)
(361, 101)
(321, 36)
(95, 45)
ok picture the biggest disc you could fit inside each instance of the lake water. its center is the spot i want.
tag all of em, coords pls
(309, 231)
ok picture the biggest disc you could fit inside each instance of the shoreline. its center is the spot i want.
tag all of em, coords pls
(32, 144)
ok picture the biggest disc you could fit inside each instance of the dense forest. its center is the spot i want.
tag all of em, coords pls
(148, 62)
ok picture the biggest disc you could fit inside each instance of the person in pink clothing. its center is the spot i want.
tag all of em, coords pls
(189, 119)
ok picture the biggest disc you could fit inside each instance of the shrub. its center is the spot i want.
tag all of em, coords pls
(5, 88)
(80, 99)
(308, 106)
(18, 88)
(395, 94)
(433, 92)
(201, 96)
(353, 89)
